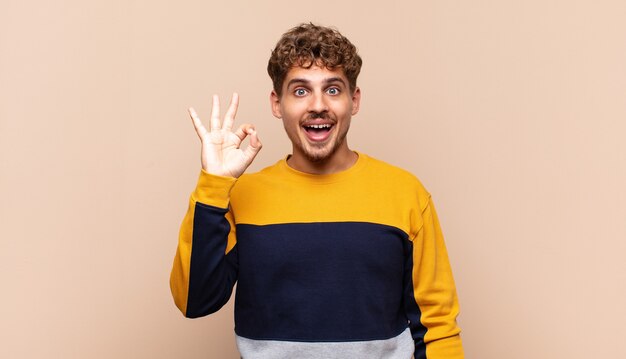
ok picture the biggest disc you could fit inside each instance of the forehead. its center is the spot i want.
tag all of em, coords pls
(314, 75)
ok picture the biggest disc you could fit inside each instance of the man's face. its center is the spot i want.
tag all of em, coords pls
(316, 106)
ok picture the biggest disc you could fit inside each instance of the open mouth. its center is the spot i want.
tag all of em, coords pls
(318, 128)
(318, 132)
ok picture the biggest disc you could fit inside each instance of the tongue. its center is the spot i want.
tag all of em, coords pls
(317, 134)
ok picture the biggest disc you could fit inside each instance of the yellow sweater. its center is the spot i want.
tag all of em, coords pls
(352, 257)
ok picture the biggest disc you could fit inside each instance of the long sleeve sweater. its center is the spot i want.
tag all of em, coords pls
(345, 265)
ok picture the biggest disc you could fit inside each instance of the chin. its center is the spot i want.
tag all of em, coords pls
(318, 155)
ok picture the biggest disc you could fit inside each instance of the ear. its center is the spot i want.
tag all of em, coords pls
(275, 104)
(356, 101)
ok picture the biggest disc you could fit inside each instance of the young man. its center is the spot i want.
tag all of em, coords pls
(336, 254)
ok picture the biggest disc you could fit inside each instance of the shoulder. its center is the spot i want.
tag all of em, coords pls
(267, 171)
(393, 174)
(256, 180)
(399, 181)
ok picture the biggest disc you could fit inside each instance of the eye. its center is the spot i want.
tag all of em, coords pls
(300, 92)
(333, 91)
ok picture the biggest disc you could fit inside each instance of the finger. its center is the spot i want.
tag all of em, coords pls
(254, 146)
(215, 114)
(243, 131)
(197, 124)
(229, 118)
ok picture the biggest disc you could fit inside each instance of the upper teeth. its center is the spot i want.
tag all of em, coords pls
(319, 126)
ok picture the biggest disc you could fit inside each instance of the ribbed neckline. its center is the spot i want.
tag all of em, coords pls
(296, 175)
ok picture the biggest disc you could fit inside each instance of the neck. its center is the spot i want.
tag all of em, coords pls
(337, 162)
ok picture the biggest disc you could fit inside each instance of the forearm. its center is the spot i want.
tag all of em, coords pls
(205, 266)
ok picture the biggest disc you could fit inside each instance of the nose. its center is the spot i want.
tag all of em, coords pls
(318, 102)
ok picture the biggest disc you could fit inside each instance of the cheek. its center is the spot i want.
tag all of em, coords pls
(292, 113)
(290, 121)
(342, 110)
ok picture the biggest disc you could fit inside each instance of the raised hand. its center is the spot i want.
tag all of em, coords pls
(221, 153)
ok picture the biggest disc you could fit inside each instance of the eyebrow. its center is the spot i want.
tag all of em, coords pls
(299, 80)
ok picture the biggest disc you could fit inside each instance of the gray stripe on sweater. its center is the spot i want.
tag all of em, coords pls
(399, 347)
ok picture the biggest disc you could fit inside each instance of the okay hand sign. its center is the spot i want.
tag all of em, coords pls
(221, 152)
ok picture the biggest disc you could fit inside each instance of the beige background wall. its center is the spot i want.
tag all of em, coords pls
(511, 112)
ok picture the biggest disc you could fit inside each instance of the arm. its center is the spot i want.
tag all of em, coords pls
(205, 265)
(432, 304)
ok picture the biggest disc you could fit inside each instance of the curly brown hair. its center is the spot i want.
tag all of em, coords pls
(306, 45)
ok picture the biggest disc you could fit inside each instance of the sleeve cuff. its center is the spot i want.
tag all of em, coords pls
(213, 190)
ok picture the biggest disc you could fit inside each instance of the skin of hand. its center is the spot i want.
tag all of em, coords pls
(221, 153)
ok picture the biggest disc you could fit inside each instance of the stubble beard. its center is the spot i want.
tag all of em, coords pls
(321, 156)
(312, 154)
(309, 151)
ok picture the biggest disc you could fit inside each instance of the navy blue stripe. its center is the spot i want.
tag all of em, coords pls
(212, 275)
(340, 281)
(413, 312)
